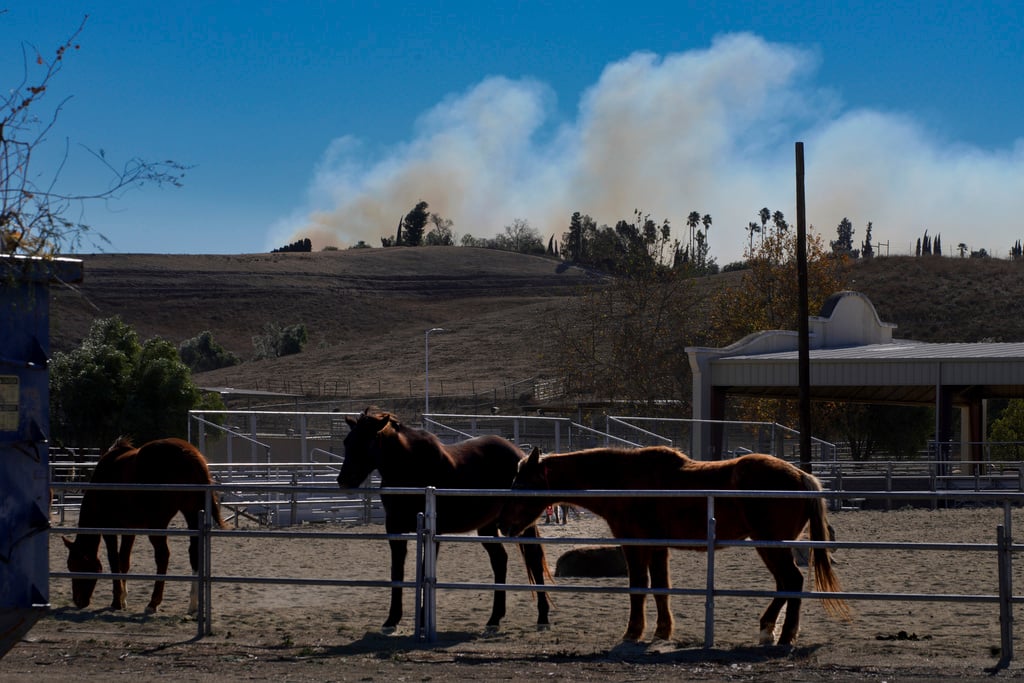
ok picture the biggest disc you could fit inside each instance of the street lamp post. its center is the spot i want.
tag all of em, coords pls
(426, 363)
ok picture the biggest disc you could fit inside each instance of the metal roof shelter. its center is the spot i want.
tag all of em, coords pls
(854, 358)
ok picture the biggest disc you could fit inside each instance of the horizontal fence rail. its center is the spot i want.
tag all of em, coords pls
(426, 584)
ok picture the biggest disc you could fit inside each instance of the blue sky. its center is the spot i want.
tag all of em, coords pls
(331, 120)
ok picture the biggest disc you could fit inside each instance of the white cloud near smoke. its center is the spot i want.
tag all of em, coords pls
(707, 130)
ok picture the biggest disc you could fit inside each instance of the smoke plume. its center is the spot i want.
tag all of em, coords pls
(708, 130)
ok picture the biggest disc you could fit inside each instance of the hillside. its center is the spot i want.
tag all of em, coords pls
(941, 299)
(367, 310)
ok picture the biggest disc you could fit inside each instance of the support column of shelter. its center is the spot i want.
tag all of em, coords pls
(973, 436)
(944, 426)
(708, 408)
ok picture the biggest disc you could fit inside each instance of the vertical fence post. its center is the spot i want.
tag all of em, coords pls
(202, 586)
(418, 591)
(206, 548)
(198, 586)
(1005, 543)
(430, 564)
(709, 593)
(293, 506)
(888, 484)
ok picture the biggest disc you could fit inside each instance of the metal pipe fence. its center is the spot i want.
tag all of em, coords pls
(426, 583)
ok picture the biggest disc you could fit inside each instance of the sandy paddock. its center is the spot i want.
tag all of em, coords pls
(273, 632)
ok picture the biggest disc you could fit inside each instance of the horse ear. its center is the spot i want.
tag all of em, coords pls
(384, 420)
(351, 422)
(534, 457)
(68, 542)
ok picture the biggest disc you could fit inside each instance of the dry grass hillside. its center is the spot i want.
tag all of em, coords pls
(366, 312)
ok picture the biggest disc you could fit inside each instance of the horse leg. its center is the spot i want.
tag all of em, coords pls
(119, 600)
(536, 568)
(162, 553)
(788, 578)
(398, 552)
(499, 566)
(638, 560)
(660, 579)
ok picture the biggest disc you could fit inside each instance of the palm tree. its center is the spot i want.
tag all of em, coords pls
(752, 227)
(765, 214)
(693, 220)
(780, 223)
(706, 221)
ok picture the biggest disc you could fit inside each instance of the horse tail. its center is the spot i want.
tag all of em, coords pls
(538, 550)
(546, 575)
(825, 578)
(204, 466)
(217, 519)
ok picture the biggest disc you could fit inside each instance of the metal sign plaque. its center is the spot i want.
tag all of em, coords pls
(9, 403)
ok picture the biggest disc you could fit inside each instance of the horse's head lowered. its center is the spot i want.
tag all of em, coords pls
(82, 560)
(83, 553)
(519, 513)
(362, 445)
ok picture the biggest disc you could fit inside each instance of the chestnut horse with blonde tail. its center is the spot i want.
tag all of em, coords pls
(166, 461)
(662, 468)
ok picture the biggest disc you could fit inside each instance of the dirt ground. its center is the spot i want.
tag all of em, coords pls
(311, 633)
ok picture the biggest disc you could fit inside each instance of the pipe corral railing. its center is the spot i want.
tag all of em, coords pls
(263, 437)
(426, 584)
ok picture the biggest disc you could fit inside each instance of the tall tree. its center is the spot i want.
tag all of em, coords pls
(706, 222)
(779, 221)
(764, 214)
(441, 234)
(752, 228)
(521, 237)
(414, 223)
(624, 340)
(843, 244)
(692, 221)
(867, 250)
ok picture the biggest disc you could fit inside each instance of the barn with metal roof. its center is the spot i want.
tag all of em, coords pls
(854, 358)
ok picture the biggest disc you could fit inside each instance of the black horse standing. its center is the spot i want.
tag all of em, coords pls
(407, 457)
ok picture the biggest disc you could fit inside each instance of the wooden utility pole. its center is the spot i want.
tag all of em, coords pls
(804, 353)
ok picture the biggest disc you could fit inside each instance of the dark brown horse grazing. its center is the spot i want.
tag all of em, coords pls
(407, 457)
(167, 461)
(759, 519)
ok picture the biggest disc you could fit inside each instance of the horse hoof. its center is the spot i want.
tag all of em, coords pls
(767, 637)
(387, 630)
(543, 627)
(490, 630)
(150, 609)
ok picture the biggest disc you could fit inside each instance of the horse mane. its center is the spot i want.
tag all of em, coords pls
(410, 433)
(620, 456)
(122, 444)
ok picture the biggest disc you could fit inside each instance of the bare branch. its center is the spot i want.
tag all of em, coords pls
(33, 213)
